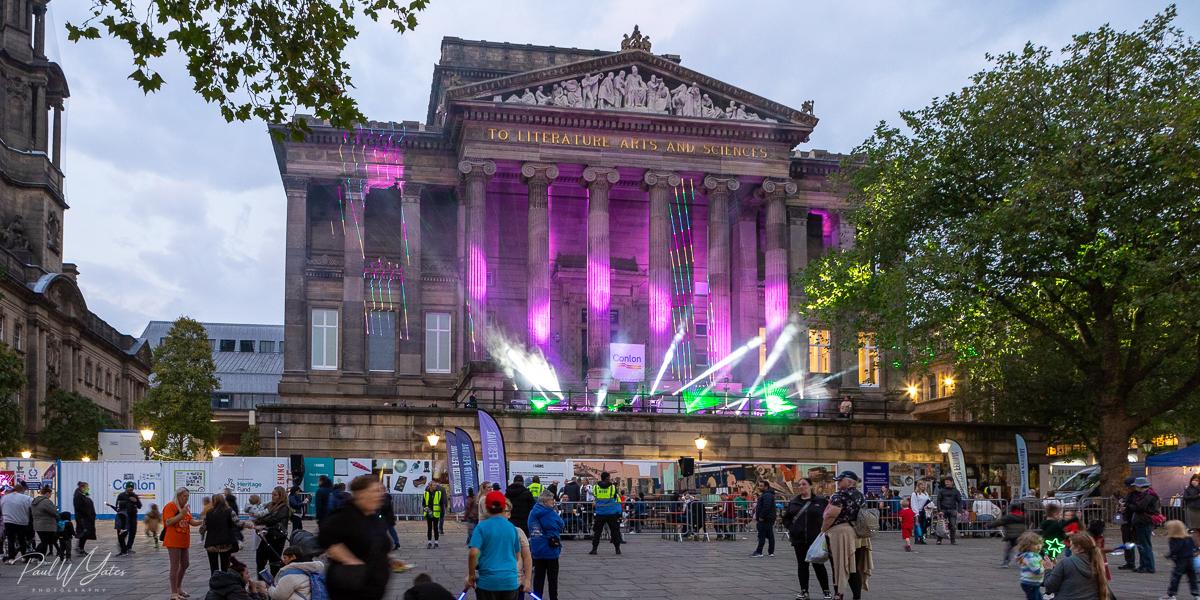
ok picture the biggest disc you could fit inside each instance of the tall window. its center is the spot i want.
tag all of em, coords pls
(868, 360)
(437, 342)
(381, 340)
(17, 331)
(324, 339)
(819, 351)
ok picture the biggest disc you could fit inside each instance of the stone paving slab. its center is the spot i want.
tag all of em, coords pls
(649, 568)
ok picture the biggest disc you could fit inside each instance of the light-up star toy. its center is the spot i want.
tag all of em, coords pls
(1054, 548)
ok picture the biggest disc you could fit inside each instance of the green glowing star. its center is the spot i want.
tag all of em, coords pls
(1054, 547)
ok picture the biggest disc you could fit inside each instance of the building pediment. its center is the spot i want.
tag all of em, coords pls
(633, 81)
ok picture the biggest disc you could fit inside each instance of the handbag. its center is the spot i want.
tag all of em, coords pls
(818, 551)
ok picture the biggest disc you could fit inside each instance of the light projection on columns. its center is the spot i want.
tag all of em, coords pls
(776, 273)
(475, 175)
(599, 180)
(720, 338)
(683, 265)
(537, 179)
(660, 186)
(385, 296)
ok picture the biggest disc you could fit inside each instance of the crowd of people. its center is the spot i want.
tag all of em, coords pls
(350, 556)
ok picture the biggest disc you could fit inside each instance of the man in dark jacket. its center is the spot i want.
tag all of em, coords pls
(1127, 538)
(764, 518)
(1142, 508)
(128, 505)
(571, 492)
(321, 498)
(950, 501)
(522, 503)
(85, 515)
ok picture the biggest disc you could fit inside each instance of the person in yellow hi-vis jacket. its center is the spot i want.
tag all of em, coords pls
(432, 505)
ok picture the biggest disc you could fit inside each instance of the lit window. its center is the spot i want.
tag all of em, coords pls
(381, 340)
(819, 351)
(437, 342)
(266, 346)
(324, 339)
(868, 360)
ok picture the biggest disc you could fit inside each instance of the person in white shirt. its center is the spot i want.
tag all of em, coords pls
(18, 521)
(918, 500)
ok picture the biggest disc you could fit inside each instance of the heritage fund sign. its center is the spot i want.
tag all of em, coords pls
(598, 140)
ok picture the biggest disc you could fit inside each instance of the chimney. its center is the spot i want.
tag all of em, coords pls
(70, 270)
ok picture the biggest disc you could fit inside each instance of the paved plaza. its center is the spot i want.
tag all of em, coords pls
(650, 568)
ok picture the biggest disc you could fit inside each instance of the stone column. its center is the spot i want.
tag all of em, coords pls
(659, 184)
(775, 254)
(295, 303)
(599, 279)
(744, 288)
(797, 219)
(353, 328)
(38, 142)
(475, 177)
(39, 29)
(720, 337)
(409, 319)
(538, 177)
(56, 159)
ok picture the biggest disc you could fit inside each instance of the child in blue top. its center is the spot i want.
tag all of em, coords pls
(1031, 563)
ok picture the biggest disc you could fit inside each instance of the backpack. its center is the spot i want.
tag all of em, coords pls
(316, 583)
(867, 522)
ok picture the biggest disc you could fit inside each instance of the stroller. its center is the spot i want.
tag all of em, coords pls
(306, 542)
(938, 528)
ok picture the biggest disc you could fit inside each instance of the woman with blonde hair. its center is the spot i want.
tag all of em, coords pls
(1081, 575)
(917, 501)
(177, 519)
(273, 524)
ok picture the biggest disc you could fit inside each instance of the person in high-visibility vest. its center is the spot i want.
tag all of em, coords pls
(607, 512)
(432, 503)
(535, 487)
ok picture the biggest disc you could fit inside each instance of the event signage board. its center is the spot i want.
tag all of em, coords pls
(958, 467)
(547, 472)
(1023, 465)
(250, 475)
(458, 491)
(314, 468)
(875, 477)
(146, 477)
(409, 476)
(627, 362)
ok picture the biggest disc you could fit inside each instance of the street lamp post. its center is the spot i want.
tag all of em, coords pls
(701, 443)
(277, 432)
(147, 437)
(433, 439)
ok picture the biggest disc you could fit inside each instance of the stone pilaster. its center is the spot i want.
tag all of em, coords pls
(744, 290)
(39, 118)
(475, 177)
(353, 328)
(409, 320)
(659, 185)
(599, 181)
(775, 254)
(295, 304)
(797, 223)
(56, 157)
(720, 337)
(538, 178)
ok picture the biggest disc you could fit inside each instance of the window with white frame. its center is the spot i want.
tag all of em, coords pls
(324, 339)
(17, 331)
(868, 360)
(819, 351)
(437, 342)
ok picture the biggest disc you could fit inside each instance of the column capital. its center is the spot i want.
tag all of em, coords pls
(601, 176)
(779, 187)
(721, 184)
(539, 173)
(476, 168)
(797, 214)
(410, 192)
(295, 184)
(663, 179)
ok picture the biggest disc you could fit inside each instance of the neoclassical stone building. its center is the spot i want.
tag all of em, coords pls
(43, 314)
(586, 206)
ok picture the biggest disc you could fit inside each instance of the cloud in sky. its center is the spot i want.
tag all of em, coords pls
(174, 211)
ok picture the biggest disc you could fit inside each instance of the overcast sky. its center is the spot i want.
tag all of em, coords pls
(174, 211)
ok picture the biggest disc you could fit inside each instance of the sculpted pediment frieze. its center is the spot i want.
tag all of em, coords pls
(633, 80)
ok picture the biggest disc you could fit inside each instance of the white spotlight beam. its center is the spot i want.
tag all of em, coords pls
(781, 344)
(732, 358)
(667, 359)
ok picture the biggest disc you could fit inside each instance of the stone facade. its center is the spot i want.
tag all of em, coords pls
(539, 206)
(43, 315)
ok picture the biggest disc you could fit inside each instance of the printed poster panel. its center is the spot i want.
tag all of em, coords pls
(548, 472)
(627, 362)
(250, 475)
(875, 477)
(195, 480)
(735, 478)
(147, 482)
(356, 467)
(409, 476)
(314, 468)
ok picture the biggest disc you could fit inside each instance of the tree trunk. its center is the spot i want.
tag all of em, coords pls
(1115, 431)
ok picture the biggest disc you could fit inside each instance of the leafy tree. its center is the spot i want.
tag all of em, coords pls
(12, 380)
(253, 59)
(178, 405)
(250, 444)
(72, 425)
(1041, 227)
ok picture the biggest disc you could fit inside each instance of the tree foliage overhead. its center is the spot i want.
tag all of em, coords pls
(12, 380)
(72, 425)
(1041, 227)
(178, 406)
(253, 59)
(250, 444)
